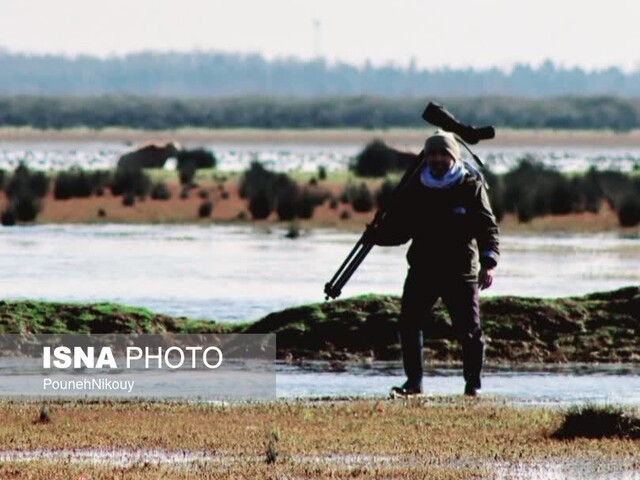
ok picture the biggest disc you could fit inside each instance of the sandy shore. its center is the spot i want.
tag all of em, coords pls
(408, 138)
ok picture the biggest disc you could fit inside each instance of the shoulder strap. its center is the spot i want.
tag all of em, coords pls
(475, 173)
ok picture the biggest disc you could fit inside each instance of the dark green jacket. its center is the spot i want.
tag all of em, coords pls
(447, 226)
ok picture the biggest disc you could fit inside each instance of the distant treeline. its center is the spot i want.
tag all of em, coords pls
(222, 75)
(329, 112)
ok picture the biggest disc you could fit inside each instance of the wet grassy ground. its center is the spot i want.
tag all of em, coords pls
(433, 437)
(442, 438)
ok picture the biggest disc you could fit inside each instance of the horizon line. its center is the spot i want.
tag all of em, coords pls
(507, 69)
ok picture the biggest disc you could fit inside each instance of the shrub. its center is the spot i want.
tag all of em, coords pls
(39, 184)
(307, 204)
(99, 180)
(361, 198)
(197, 158)
(71, 184)
(495, 192)
(132, 181)
(260, 205)
(614, 186)
(590, 191)
(383, 194)
(255, 179)
(562, 198)
(160, 191)
(592, 421)
(8, 217)
(128, 199)
(271, 454)
(25, 182)
(24, 192)
(345, 215)
(43, 416)
(203, 194)
(26, 207)
(293, 231)
(322, 172)
(532, 190)
(267, 190)
(629, 211)
(102, 213)
(2, 177)
(377, 160)
(186, 173)
(287, 203)
(205, 209)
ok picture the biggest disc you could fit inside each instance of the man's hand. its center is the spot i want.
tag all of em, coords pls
(485, 278)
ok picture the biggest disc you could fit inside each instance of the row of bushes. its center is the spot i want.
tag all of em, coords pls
(533, 190)
(530, 190)
(76, 183)
(25, 189)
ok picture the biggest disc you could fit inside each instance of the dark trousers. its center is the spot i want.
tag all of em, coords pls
(460, 296)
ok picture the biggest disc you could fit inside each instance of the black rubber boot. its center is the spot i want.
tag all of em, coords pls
(411, 341)
(472, 359)
(407, 389)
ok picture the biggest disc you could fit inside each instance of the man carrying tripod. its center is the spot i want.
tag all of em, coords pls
(445, 211)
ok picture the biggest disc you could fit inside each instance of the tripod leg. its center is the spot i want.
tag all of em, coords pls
(334, 288)
(353, 252)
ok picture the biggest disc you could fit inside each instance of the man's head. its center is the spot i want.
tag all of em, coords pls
(441, 150)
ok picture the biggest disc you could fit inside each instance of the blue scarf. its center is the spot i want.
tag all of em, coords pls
(452, 177)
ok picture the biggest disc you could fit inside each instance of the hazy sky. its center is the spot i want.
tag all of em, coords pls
(477, 33)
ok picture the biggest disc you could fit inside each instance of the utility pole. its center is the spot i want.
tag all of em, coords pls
(317, 30)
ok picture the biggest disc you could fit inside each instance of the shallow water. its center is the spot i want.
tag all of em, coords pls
(549, 385)
(549, 469)
(617, 385)
(231, 273)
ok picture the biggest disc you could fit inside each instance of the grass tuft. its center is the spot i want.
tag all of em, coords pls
(594, 421)
(272, 451)
(43, 416)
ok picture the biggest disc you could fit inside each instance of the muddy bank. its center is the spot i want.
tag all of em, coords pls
(600, 327)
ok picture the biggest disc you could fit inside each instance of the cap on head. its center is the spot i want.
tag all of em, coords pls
(442, 140)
